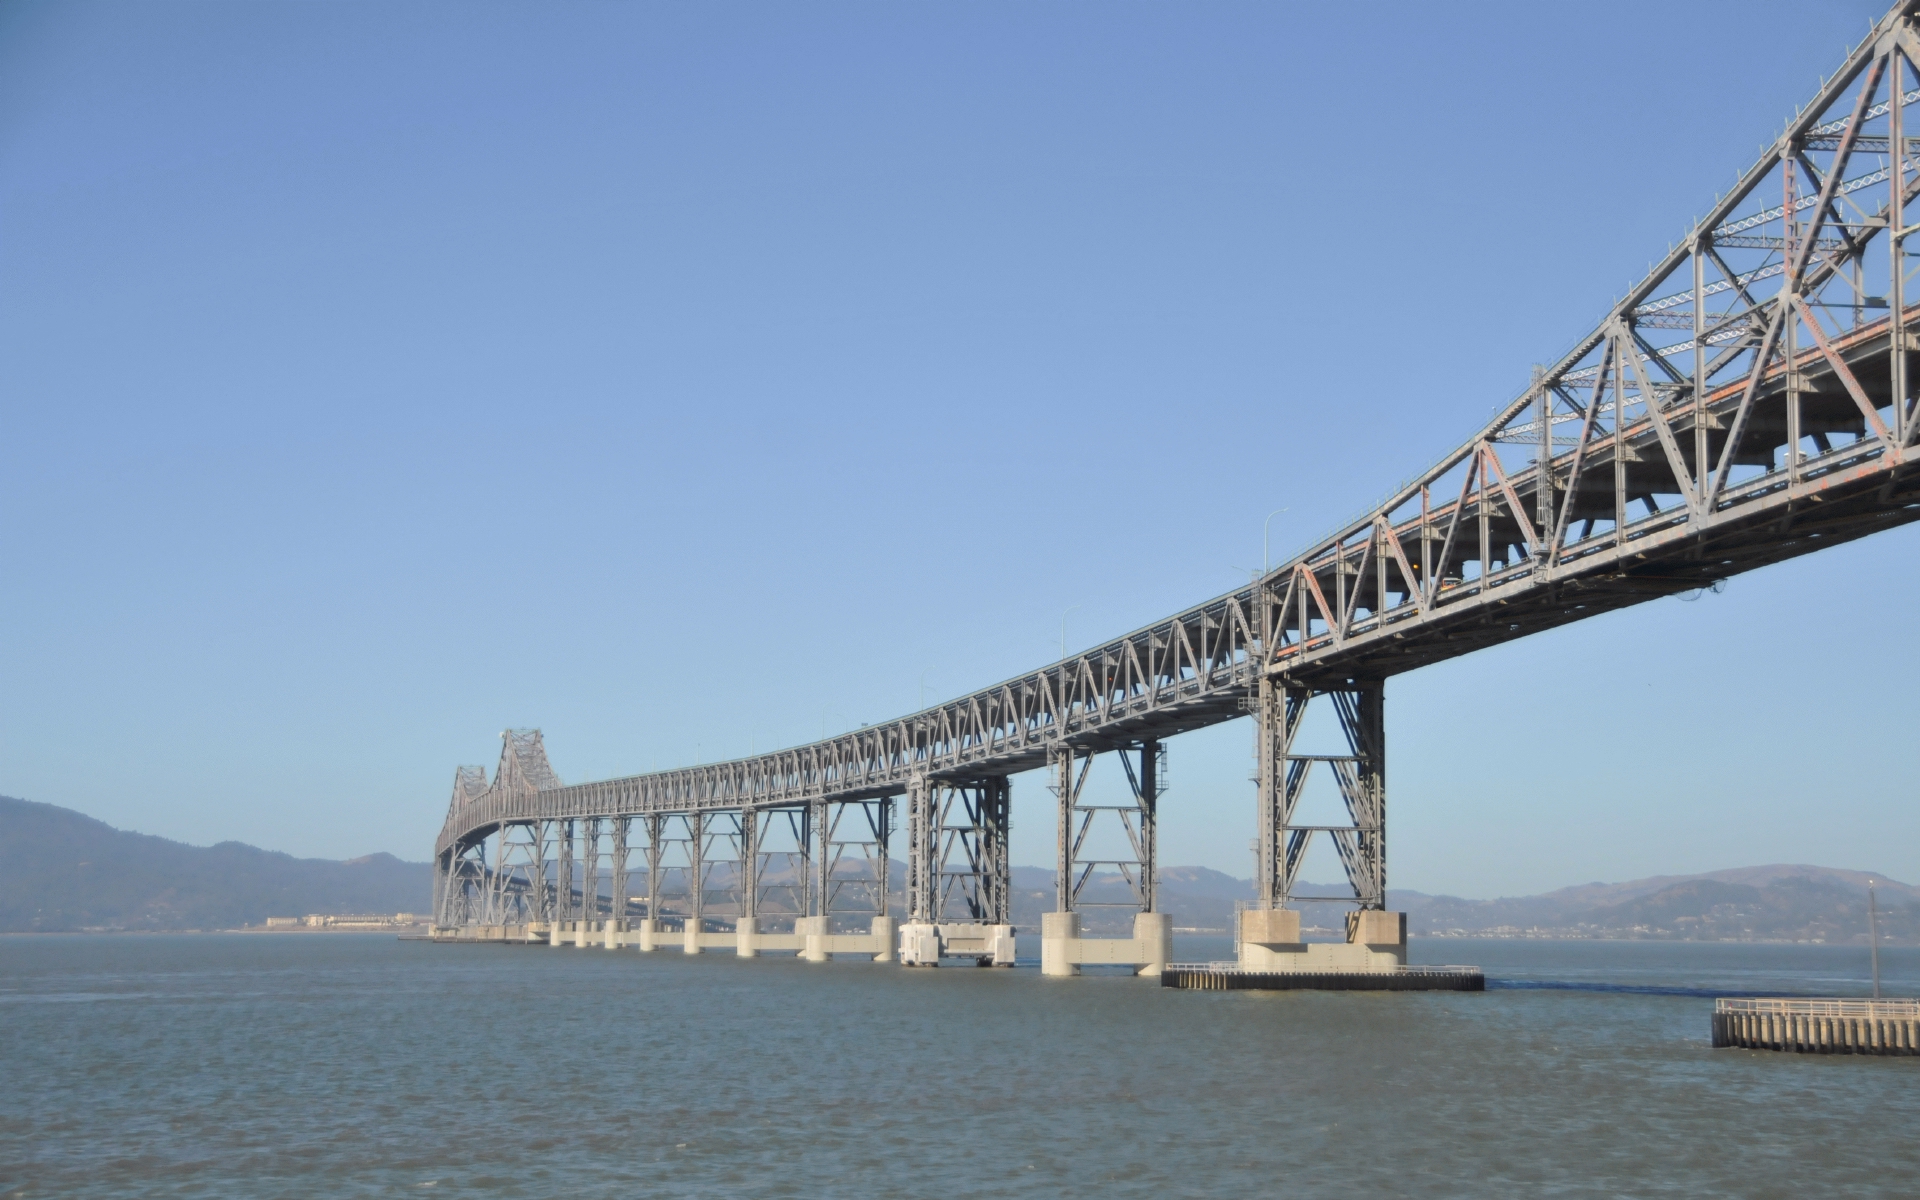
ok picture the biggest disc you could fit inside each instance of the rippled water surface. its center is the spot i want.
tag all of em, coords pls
(349, 1065)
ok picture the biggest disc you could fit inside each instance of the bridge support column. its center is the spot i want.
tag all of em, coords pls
(647, 930)
(1063, 949)
(1153, 934)
(957, 873)
(563, 908)
(1269, 935)
(746, 924)
(650, 928)
(442, 870)
(589, 878)
(1058, 933)
(697, 885)
(814, 931)
(850, 880)
(617, 909)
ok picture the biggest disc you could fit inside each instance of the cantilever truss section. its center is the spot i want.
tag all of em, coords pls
(1747, 402)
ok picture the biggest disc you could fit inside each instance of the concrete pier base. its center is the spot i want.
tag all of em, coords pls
(616, 933)
(924, 945)
(746, 934)
(1153, 942)
(1270, 941)
(813, 934)
(816, 942)
(919, 945)
(1063, 951)
(555, 932)
(1059, 938)
(646, 934)
(883, 939)
(1274, 958)
(695, 940)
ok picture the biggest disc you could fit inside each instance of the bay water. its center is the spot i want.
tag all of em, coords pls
(321, 1065)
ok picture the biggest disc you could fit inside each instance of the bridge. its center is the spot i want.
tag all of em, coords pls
(1749, 401)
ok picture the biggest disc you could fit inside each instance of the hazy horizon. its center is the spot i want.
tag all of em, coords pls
(1306, 886)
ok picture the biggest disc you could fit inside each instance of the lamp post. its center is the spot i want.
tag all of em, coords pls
(1873, 938)
(1265, 530)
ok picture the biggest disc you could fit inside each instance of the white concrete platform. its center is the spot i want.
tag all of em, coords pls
(924, 945)
(1063, 951)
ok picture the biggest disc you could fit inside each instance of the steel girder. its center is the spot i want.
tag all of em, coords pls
(1747, 402)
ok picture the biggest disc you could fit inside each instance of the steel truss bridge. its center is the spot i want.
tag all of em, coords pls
(1748, 401)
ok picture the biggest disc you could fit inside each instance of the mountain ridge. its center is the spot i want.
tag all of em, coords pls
(64, 871)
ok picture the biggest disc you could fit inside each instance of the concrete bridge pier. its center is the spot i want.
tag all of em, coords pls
(885, 938)
(1062, 948)
(813, 932)
(1270, 940)
(1268, 936)
(958, 875)
(646, 931)
(850, 881)
(1063, 951)
(1059, 931)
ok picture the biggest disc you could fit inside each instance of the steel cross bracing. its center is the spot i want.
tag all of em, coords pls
(1137, 822)
(1747, 402)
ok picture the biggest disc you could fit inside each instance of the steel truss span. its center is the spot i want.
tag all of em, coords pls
(1747, 402)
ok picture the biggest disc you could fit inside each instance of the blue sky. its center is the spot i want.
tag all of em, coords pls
(682, 379)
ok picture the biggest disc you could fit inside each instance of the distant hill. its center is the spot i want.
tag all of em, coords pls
(1779, 902)
(61, 870)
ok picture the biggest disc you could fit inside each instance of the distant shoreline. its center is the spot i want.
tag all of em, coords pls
(248, 930)
(415, 931)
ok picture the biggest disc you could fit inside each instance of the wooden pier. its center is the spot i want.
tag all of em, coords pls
(1819, 1026)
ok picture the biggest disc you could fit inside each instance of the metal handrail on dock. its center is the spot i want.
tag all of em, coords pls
(1822, 1006)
